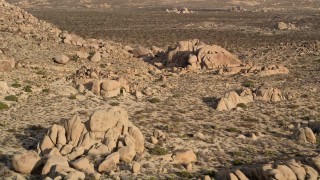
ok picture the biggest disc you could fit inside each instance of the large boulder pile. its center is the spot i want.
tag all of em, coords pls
(264, 93)
(194, 54)
(290, 169)
(18, 21)
(90, 148)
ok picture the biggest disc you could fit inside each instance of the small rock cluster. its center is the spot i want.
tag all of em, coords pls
(179, 11)
(286, 26)
(304, 135)
(268, 70)
(231, 99)
(99, 83)
(90, 148)
(290, 169)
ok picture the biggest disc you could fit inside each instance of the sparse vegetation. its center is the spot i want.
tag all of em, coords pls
(242, 105)
(46, 90)
(154, 100)
(248, 83)
(3, 106)
(157, 150)
(41, 72)
(11, 98)
(16, 85)
(27, 88)
(72, 97)
(232, 129)
(114, 103)
(75, 58)
(185, 174)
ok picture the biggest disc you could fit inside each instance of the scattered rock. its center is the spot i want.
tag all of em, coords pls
(136, 167)
(184, 157)
(96, 57)
(61, 59)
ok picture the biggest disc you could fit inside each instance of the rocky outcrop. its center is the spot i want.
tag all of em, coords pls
(76, 142)
(290, 169)
(232, 99)
(264, 93)
(304, 135)
(286, 26)
(268, 94)
(194, 54)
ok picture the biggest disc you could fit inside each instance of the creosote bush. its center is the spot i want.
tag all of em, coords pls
(11, 98)
(3, 106)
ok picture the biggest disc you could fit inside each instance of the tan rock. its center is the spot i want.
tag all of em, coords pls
(312, 174)
(287, 172)
(66, 149)
(102, 120)
(298, 170)
(96, 57)
(127, 154)
(269, 94)
(311, 138)
(136, 167)
(233, 177)
(316, 161)
(77, 152)
(62, 161)
(240, 175)
(153, 140)
(215, 56)
(138, 139)
(84, 165)
(54, 152)
(6, 64)
(75, 130)
(61, 59)
(299, 135)
(27, 162)
(110, 163)
(46, 144)
(96, 87)
(184, 157)
(232, 99)
(111, 88)
(141, 52)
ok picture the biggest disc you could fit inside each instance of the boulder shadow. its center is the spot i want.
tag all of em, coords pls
(211, 101)
(31, 136)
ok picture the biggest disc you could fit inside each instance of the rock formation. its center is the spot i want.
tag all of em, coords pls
(105, 139)
(263, 93)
